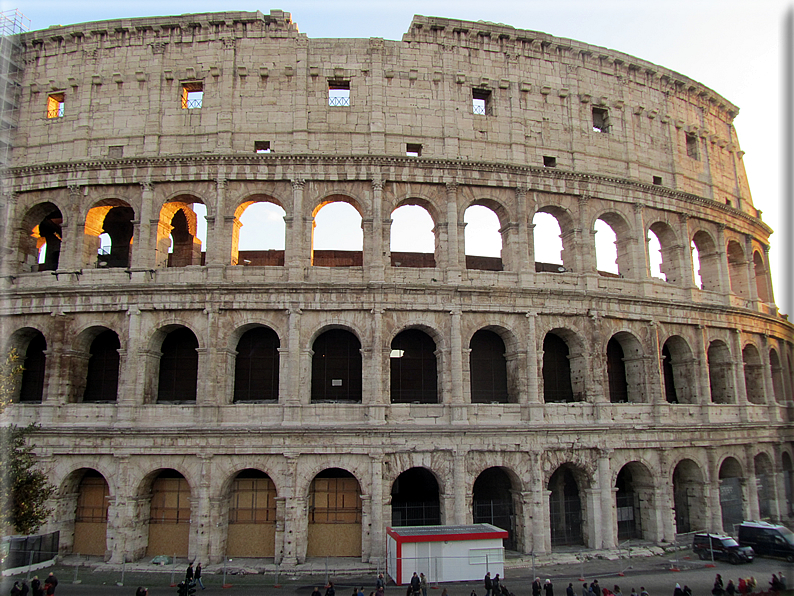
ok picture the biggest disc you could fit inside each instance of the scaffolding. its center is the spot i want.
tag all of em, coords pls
(12, 22)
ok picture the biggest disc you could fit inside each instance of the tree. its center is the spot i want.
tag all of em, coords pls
(26, 489)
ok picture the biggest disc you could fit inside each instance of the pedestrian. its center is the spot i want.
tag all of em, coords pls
(15, 589)
(189, 573)
(24, 588)
(616, 590)
(141, 591)
(678, 591)
(380, 583)
(444, 592)
(198, 576)
(569, 590)
(329, 589)
(548, 587)
(717, 590)
(585, 590)
(416, 584)
(687, 590)
(782, 579)
(487, 583)
(35, 587)
(595, 587)
(536, 587)
(730, 589)
(496, 585)
(643, 591)
(50, 584)
(634, 592)
(316, 591)
(774, 585)
(422, 584)
(360, 591)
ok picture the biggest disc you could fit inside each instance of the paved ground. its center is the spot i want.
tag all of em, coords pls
(652, 572)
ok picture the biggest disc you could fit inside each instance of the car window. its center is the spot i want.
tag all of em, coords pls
(788, 535)
(729, 542)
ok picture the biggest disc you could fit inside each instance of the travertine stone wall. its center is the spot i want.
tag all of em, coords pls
(125, 140)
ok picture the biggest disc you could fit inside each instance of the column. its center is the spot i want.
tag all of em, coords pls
(586, 238)
(70, 258)
(220, 229)
(297, 247)
(201, 512)
(750, 481)
(609, 524)
(721, 259)
(537, 534)
(456, 402)
(455, 248)
(132, 369)
(664, 499)
(377, 550)
(295, 520)
(532, 399)
(737, 369)
(281, 521)
(376, 390)
(462, 495)
(366, 527)
(712, 490)
(702, 366)
(752, 289)
(374, 249)
(292, 399)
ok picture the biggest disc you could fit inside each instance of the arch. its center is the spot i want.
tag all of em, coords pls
(413, 368)
(609, 261)
(719, 361)
(169, 514)
(178, 241)
(778, 386)
(567, 515)
(113, 219)
(488, 368)
(335, 510)
(494, 499)
(680, 371)
(34, 363)
(483, 241)
(252, 515)
(543, 232)
(669, 255)
(256, 366)
(762, 284)
(731, 497)
(102, 374)
(178, 376)
(336, 367)
(633, 499)
(91, 513)
(753, 374)
(40, 238)
(625, 368)
(563, 367)
(706, 260)
(415, 499)
(765, 485)
(689, 497)
(737, 270)
(413, 242)
(337, 233)
(259, 232)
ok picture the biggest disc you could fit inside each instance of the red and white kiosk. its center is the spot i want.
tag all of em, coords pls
(444, 553)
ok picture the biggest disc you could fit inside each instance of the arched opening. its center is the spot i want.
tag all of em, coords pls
(482, 238)
(753, 374)
(566, 515)
(689, 498)
(31, 387)
(788, 483)
(636, 520)
(259, 234)
(616, 373)
(488, 368)
(778, 385)
(415, 499)
(680, 375)
(256, 366)
(102, 376)
(731, 499)
(412, 366)
(493, 503)
(558, 385)
(625, 369)
(706, 262)
(337, 235)
(178, 377)
(765, 486)
(169, 515)
(91, 515)
(762, 284)
(334, 515)
(548, 243)
(181, 231)
(108, 234)
(719, 361)
(40, 238)
(664, 252)
(737, 269)
(336, 367)
(606, 245)
(252, 515)
(412, 242)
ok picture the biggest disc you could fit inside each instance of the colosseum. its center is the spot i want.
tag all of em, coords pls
(200, 397)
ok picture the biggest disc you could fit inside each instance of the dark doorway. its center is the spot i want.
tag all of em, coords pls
(488, 368)
(669, 379)
(32, 384)
(556, 370)
(628, 507)
(616, 372)
(565, 509)
(178, 367)
(415, 500)
(412, 363)
(256, 366)
(493, 503)
(336, 367)
(102, 379)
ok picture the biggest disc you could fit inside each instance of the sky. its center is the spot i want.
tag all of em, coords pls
(735, 47)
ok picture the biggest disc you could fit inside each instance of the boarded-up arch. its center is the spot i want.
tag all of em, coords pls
(169, 514)
(252, 515)
(335, 510)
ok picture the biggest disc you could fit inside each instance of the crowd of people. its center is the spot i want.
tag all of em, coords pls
(36, 587)
(747, 585)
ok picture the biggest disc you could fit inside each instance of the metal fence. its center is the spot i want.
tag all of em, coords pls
(24, 551)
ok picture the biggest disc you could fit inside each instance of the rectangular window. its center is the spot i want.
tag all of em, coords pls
(600, 120)
(116, 151)
(692, 145)
(262, 146)
(657, 180)
(413, 149)
(481, 101)
(338, 93)
(192, 95)
(549, 161)
(55, 103)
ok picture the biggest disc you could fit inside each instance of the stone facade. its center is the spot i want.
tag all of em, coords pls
(686, 428)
